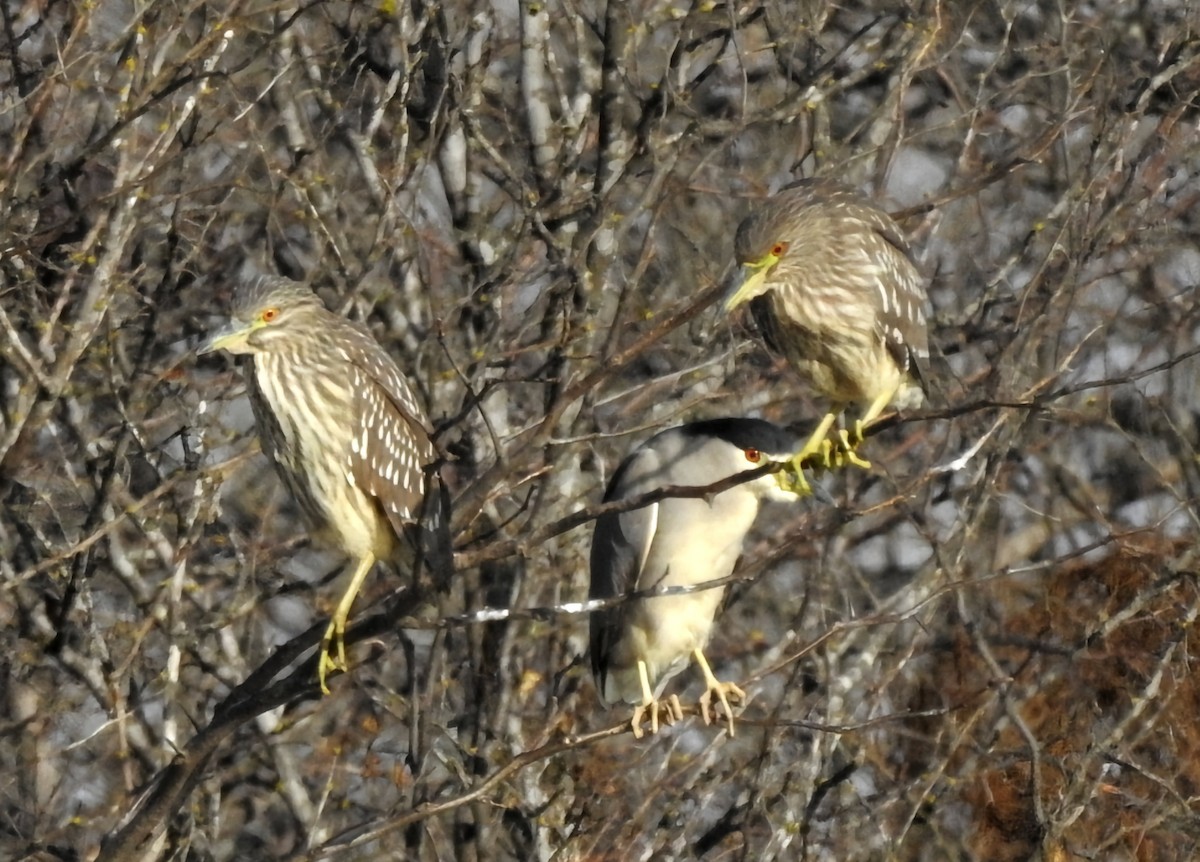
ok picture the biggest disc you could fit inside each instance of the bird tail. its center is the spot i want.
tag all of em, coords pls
(936, 378)
(436, 547)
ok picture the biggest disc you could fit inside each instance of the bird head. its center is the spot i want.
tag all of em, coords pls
(777, 240)
(264, 310)
(763, 240)
(766, 487)
(752, 277)
(746, 444)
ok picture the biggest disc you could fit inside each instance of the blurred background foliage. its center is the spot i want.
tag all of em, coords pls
(982, 651)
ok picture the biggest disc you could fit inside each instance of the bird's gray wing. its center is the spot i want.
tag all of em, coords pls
(620, 546)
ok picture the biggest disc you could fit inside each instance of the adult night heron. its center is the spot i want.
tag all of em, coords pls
(832, 286)
(344, 429)
(638, 645)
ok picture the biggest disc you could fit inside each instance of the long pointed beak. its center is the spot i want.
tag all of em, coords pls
(750, 280)
(222, 338)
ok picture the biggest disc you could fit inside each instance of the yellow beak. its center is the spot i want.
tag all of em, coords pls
(753, 278)
(231, 337)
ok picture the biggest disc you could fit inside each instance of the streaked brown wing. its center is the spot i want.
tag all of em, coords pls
(393, 448)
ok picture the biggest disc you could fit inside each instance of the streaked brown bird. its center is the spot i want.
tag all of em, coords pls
(637, 646)
(832, 286)
(345, 431)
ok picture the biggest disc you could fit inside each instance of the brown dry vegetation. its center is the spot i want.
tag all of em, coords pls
(983, 651)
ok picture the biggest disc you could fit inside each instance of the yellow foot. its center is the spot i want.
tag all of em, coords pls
(723, 691)
(670, 710)
(845, 453)
(328, 661)
(792, 478)
(335, 635)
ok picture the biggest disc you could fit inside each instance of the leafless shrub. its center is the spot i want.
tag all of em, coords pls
(983, 651)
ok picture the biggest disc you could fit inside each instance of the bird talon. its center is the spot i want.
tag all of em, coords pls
(674, 709)
(669, 710)
(858, 461)
(333, 652)
(635, 722)
(325, 664)
(849, 443)
(792, 480)
(723, 691)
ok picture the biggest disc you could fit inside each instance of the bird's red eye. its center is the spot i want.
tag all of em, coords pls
(779, 249)
(752, 455)
(269, 315)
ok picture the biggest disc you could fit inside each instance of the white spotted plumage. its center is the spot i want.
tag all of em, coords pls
(333, 409)
(367, 411)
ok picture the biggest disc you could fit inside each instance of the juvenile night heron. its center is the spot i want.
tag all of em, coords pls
(833, 287)
(637, 646)
(345, 431)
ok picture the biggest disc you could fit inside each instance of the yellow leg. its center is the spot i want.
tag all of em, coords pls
(877, 406)
(722, 690)
(336, 633)
(647, 704)
(792, 479)
(852, 440)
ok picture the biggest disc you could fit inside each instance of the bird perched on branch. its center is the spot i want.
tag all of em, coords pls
(638, 645)
(832, 285)
(345, 431)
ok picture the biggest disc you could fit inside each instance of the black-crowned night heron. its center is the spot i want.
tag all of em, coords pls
(344, 429)
(638, 645)
(833, 287)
